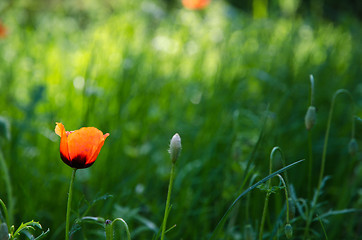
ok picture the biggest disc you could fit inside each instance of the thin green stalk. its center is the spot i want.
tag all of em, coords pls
(324, 154)
(125, 226)
(167, 209)
(310, 163)
(310, 149)
(273, 152)
(9, 189)
(311, 90)
(70, 193)
(271, 159)
(324, 230)
(109, 230)
(286, 196)
(264, 215)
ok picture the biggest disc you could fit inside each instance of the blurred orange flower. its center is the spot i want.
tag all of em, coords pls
(3, 30)
(195, 4)
(80, 148)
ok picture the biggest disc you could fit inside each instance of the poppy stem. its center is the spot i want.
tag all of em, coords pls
(69, 204)
(167, 209)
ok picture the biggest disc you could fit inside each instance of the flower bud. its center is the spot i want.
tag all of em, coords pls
(352, 147)
(288, 231)
(310, 117)
(175, 147)
(248, 232)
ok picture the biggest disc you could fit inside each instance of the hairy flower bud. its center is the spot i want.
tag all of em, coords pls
(352, 147)
(175, 147)
(288, 231)
(310, 117)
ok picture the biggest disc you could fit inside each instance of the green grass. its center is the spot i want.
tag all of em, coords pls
(142, 74)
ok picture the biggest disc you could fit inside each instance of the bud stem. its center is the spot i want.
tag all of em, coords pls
(310, 165)
(272, 156)
(167, 208)
(311, 90)
(109, 230)
(324, 154)
(286, 196)
(266, 201)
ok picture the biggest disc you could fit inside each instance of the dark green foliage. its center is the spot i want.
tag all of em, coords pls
(142, 74)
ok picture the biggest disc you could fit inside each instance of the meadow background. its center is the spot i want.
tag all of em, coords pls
(144, 70)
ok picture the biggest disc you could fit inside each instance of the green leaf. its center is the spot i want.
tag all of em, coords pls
(43, 234)
(91, 219)
(5, 212)
(297, 201)
(273, 189)
(337, 212)
(27, 226)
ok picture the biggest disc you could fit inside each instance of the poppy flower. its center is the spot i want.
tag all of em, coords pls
(3, 31)
(195, 4)
(80, 148)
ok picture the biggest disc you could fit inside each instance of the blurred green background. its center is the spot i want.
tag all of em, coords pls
(144, 70)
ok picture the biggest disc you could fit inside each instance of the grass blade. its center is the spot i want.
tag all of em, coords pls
(324, 230)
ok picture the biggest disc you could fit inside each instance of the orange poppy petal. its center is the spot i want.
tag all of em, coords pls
(96, 152)
(195, 4)
(59, 128)
(83, 143)
(80, 148)
(3, 31)
(64, 150)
